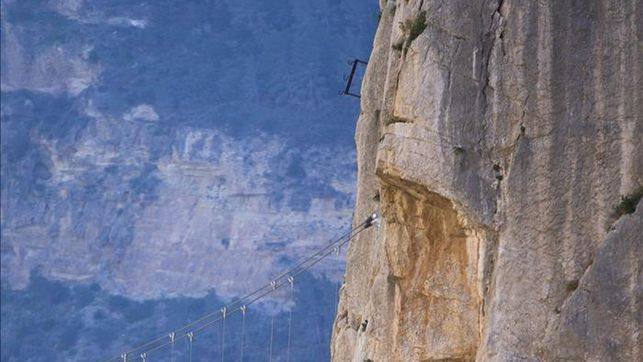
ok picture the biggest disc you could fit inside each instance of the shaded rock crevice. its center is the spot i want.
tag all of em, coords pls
(434, 257)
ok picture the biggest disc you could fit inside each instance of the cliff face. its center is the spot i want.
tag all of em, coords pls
(497, 138)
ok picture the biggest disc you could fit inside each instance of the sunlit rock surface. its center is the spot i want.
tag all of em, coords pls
(496, 139)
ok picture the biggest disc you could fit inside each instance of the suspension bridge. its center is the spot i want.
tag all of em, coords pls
(158, 347)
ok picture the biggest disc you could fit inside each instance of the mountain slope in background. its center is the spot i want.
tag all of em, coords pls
(159, 158)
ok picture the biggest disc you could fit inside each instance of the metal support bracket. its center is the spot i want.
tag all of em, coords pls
(349, 79)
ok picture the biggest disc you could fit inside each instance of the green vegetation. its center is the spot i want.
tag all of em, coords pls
(628, 203)
(417, 26)
(571, 285)
(411, 28)
(458, 150)
(398, 46)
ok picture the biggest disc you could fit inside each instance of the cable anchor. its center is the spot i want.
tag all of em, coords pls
(144, 356)
(291, 280)
(349, 78)
(124, 357)
(370, 220)
(190, 336)
(273, 284)
(172, 336)
(224, 311)
(243, 309)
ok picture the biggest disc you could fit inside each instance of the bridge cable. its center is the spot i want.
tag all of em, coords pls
(243, 330)
(291, 280)
(273, 286)
(254, 296)
(272, 328)
(172, 335)
(190, 339)
(258, 290)
(223, 311)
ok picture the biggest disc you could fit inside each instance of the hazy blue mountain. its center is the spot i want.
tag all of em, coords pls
(160, 158)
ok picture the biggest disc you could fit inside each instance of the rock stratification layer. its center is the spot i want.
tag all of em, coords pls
(497, 139)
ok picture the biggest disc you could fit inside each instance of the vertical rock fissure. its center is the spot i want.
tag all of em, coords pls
(488, 43)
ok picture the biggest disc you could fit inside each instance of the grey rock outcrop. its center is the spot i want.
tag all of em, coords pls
(497, 138)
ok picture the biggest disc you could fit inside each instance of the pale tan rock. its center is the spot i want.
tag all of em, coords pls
(496, 145)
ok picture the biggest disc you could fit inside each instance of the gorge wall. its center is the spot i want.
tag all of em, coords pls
(497, 139)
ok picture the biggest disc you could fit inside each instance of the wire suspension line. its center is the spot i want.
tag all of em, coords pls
(191, 340)
(188, 330)
(291, 280)
(172, 335)
(243, 330)
(272, 330)
(223, 312)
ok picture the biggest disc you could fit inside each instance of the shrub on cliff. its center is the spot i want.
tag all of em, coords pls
(628, 203)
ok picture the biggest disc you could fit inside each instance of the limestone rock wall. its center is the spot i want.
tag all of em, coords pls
(496, 138)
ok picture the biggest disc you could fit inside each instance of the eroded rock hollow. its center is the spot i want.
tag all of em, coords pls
(501, 143)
